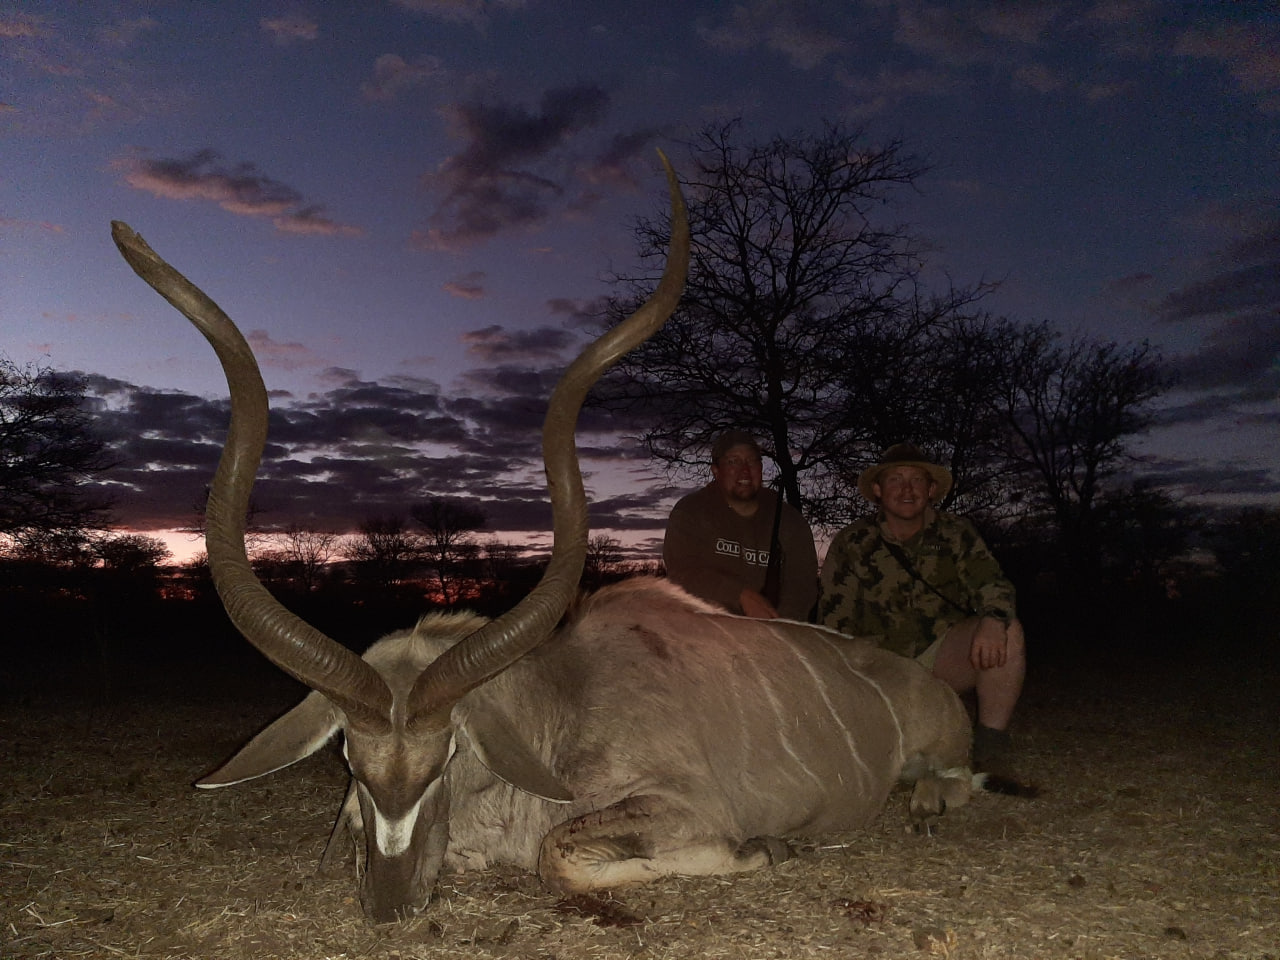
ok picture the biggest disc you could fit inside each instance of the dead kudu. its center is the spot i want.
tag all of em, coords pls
(650, 735)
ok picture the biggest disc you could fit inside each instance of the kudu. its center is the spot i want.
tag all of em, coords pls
(650, 735)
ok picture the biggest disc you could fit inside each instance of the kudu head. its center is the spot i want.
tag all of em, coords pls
(398, 724)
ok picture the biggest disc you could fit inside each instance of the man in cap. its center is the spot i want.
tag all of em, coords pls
(922, 583)
(720, 539)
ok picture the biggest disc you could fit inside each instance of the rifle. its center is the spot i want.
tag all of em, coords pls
(773, 575)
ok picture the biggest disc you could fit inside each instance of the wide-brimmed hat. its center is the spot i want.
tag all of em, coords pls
(904, 455)
(730, 439)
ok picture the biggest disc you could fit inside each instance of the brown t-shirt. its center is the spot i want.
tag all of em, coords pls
(713, 551)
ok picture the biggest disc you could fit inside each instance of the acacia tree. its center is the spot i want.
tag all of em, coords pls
(300, 555)
(130, 554)
(935, 382)
(125, 570)
(449, 540)
(48, 456)
(501, 557)
(1070, 409)
(1246, 543)
(604, 555)
(384, 550)
(801, 290)
(806, 322)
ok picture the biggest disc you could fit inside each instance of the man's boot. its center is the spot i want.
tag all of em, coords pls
(991, 750)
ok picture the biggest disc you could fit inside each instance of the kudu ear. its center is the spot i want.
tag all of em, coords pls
(506, 754)
(298, 734)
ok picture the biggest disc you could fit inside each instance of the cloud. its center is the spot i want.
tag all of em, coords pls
(356, 450)
(1096, 92)
(579, 314)
(495, 183)
(1200, 407)
(499, 135)
(495, 344)
(43, 226)
(19, 26)
(1025, 22)
(312, 220)
(1242, 354)
(392, 75)
(1237, 302)
(291, 29)
(469, 286)
(940, 33)
(238, 189)
(124, 32)
(613, 166)
(510, 382)
(1044, 46)
(1037, 77)
(1249, 50)
(632, 511)
(1122, 11)
(475, 13)
(1243, 278)
(1231, 482)
(891, 86)
(1247, 288)
(1134, 283)
(800, 31)
(281, 356)
(962, 34)
(1240, 282)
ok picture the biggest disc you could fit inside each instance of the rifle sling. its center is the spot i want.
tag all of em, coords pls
(898, 554)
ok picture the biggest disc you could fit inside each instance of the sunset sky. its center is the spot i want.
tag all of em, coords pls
(410, 206)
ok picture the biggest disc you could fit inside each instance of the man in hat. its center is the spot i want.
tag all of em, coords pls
(922, 583)
(720, 539)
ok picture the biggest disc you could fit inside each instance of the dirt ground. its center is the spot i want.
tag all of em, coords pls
(1157, 834)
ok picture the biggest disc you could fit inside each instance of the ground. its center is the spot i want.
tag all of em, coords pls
(1156, 834)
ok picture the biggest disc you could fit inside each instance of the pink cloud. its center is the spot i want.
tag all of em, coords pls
(290, 29)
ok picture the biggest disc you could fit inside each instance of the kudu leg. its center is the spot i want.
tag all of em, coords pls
(638, 840)
(934, 793)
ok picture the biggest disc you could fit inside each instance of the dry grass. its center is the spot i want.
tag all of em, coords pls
(1157, 835)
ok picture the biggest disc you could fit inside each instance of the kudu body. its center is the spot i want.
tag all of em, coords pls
(649, 735)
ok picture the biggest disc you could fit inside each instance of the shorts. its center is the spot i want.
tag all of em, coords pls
(929, 655)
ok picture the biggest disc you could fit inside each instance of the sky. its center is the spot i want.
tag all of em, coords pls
(411, 208)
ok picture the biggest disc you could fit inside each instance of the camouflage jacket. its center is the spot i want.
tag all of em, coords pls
(866, 591)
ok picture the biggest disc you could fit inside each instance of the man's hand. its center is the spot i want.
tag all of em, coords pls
(755, 605)
(990, 647)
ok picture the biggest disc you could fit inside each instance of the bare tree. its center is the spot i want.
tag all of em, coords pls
(506, 574)
(257, 539)
(500, 558)
(806, 322)
(384, 550)
(48, 456)
(802, 295)
(1246, 543)
(449, 541)
(304, 554)
(1070, 410)
(604, 554)
(130, 554)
